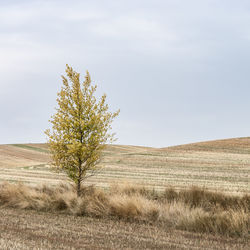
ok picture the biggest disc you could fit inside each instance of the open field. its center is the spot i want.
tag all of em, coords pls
(42, 217)
(217, 165)
(26, 229)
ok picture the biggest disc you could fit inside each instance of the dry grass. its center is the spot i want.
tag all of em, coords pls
(182, 217)
(30, 229)
(194, 210)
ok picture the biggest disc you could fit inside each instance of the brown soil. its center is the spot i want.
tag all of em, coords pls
(25, 229)
(11, 156)
(239, 145)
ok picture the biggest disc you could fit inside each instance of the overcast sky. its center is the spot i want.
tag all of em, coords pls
(179, 70)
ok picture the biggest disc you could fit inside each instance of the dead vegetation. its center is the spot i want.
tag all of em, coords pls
(141, 217)
(195, 209)
(30, 229)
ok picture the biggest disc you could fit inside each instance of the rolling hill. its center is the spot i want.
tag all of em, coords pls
(218, 165)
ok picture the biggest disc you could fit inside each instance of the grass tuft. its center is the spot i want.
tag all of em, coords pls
(194, 209)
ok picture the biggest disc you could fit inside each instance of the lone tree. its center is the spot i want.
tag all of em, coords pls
(80, 128)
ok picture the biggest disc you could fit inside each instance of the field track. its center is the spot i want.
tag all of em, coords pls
(222, 165)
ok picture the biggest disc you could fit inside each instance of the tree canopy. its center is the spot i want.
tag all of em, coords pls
(80, 127)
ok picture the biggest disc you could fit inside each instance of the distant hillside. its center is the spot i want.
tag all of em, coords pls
(234, 145)
(218, 165)
(23, 155)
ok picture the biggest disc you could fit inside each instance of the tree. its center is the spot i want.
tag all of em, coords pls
(80, 128)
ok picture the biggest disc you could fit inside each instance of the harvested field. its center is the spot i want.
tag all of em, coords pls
(21, 155)
(218, 165)
(222, 165)
(26, 229)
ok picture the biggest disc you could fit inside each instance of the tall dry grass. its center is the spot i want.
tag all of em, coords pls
(194, 209)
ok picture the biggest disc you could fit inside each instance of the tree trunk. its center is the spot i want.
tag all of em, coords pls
(78, 187)
(79, 180)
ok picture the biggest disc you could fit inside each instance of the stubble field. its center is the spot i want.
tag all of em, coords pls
(27, 229)
(218, 165)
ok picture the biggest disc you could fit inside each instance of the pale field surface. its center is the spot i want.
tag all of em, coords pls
(222, 165)
(26, 229)
(217, 165)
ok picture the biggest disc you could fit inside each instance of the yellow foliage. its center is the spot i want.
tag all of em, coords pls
(80, 127)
